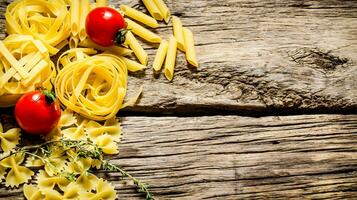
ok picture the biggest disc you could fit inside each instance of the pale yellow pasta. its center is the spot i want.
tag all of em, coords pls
(132, 65)
(101, 3)
(106, 143)
(75, 17)
(116, 50)
(93, 87)
(111, 127)
(71, 192)
(32, 193)
(103, 191)
(24, 62)
(178, 32)
(17, 174)
(84, 10)
(9, 139)
(153, 9)
(45, 181)
(137, 48)
(160, 55)
(143, 32)
(48, 21)
(165, 12)
(171, 58)
(190, 47)
(139, 16)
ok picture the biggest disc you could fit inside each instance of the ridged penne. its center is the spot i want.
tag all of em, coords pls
(178, 32)
(153, 9)
(137, 48)
(171, 58)
(132, 65)
(143, 32)
(165, 12)
(160, 55)
(190, 47)
(139, 16)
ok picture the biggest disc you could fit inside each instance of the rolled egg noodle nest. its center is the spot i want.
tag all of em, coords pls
(32, 57)
(93, 86)
(48, 21)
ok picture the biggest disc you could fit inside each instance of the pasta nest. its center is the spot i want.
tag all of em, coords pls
(25, 63)
(48, 21)
(94, 86)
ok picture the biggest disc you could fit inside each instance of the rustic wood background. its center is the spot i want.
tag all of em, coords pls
(270, 114)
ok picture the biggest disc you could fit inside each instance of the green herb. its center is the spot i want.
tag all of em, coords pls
(83, 149)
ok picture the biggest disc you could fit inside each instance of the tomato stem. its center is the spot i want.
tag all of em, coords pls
(50, 96)
(120, 37)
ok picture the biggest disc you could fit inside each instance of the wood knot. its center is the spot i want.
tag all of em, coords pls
(314, 57)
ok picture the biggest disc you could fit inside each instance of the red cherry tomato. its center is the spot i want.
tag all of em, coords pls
(37, 113)
(105, 26)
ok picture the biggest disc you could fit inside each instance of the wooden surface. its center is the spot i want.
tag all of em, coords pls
(258, 58)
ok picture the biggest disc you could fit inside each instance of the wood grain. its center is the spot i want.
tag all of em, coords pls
(230, 157)
(256, 57)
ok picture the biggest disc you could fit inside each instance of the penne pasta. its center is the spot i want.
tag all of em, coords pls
(190, 47)
(137, 48)
(160, 55)
(116, 50)
(143, 32)
(84, 10)
(165, 12)
(73, 42)
(178, 33)
(101, 3)
(153, 9)
(171, 58)
(139, 16)
(75, 17)
(132, 65)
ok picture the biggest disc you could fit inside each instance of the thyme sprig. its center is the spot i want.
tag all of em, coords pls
(83, 149)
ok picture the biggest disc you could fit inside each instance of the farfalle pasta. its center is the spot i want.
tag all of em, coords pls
(17, 174)
(103, 191)
(32, 193)
(46, 181)
(9, 139)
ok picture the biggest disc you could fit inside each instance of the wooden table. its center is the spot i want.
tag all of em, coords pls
(270, 114)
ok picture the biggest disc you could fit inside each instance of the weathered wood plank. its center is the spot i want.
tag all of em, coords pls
(229, 157)
(257, 56)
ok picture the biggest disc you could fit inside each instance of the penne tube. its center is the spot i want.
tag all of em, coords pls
(153, 9)
(171, 58)
(116, 50)
(139, 16)
(75, 17)
(84, 10)
(132, 65)
(100, 3)
(137, 48)
(178, 33)
(73, 42)
(190, 47)
(143, 32)
(160, 55)
(165, 12)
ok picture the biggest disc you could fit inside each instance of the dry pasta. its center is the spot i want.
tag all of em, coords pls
(160, 55)
(9, 139)
(116, 50)
(93, 87)
(48, 21)
(178, 32)
(137, 48)
(170, 58)
(24, 63)
(84, 10)
(165, 12)
(132, 65)
(143, 32)
(153, 9)
(139, 16)
(190, 47)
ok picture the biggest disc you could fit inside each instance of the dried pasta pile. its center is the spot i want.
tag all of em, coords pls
(90, 81)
